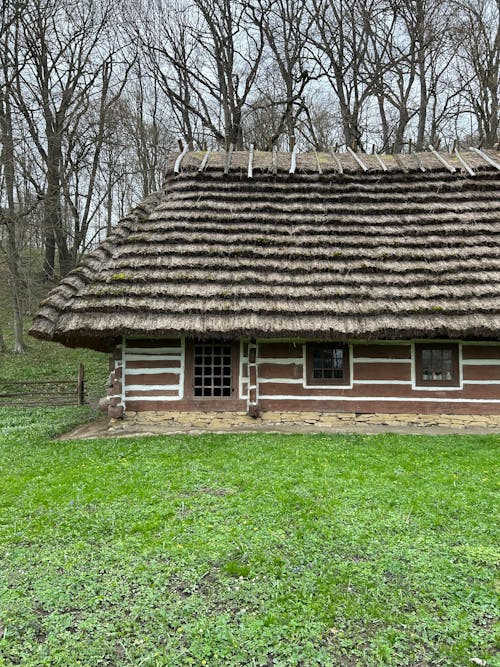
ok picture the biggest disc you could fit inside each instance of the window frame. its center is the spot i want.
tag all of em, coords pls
(330, 382)
(454, 383)
(189, 382)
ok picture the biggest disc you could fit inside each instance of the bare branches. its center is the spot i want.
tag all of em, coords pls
(206, 57)
(93, 93)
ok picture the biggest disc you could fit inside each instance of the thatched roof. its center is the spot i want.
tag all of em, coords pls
(408, 247)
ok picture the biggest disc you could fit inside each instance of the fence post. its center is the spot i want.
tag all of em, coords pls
(81, 385)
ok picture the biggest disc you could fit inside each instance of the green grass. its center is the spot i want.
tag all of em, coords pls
(42, 359)
(52, 361)
(245, 549)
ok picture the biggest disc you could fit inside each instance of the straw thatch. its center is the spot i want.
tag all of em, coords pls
(407, 248)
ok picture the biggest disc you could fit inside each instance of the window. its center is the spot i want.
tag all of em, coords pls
(436, 365)
(212, 369)
(328, 363)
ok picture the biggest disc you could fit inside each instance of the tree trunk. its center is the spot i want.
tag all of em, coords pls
(15, 283)
(13, 258)
(421, 63)
(54, 223)
(49, 254)
(400, 131)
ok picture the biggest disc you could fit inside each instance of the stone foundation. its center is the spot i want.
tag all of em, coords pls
(314, 421)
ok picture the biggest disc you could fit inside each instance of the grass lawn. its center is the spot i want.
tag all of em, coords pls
(246, 549)
(50, 361)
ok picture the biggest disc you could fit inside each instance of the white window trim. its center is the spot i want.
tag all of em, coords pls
(441, 387)
(331, 385)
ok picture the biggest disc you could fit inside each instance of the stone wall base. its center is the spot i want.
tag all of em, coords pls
(311, 420)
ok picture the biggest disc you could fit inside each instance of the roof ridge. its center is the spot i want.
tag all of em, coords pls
(465, 162)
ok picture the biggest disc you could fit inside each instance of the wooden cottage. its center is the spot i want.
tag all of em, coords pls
(327, 283)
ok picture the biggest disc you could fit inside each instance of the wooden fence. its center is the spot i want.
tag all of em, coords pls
(27, 393)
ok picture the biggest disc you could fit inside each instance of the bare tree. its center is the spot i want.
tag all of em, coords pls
(479, 64)
(286, 25)
(340, 46)
(9, 215)
(206, 57)
(68, 74)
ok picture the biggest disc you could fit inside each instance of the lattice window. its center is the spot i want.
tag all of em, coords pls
(328, 364)
(212, 370)
(437, 364)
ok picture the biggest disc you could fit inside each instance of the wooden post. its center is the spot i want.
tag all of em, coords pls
(380, 161)
(441, 159)
(464, 164)
(486, 157)
(250, 161)
(227, 165)
(337, 162)
(177, 165)
(205, 160)
(293, 160)
(275, 160)
(320, 171)
(253, 382)
(358, 159)
(81, 385)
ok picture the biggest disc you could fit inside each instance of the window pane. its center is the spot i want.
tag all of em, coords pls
(328, 363)
(437, 364)
(212, 370)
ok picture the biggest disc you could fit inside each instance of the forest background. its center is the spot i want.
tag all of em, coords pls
(95, 93)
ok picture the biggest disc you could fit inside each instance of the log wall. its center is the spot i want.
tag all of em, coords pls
(382, 380)
(153, 374)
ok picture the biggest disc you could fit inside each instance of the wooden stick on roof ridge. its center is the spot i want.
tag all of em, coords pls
(418, 161)
(380, 161)
(274, 160)
(229, 153)
(464, 164)
(398, 158)
(320, 171)
(357, 158)
(180, 157)
(250, 161)
(293, 160)
(205, 160)
(337, 162)
(441, 159)
(486, 157)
